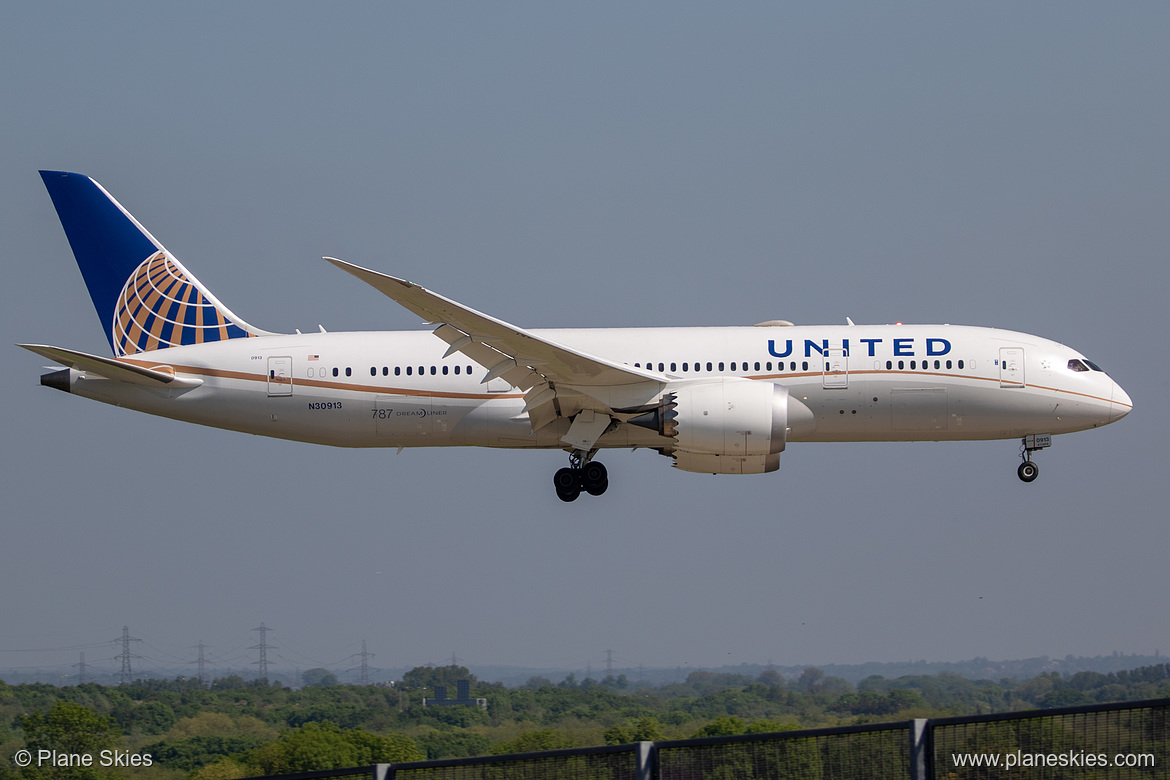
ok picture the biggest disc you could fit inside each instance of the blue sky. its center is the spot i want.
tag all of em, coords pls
(997, 164)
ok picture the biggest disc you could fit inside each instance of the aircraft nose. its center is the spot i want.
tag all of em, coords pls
(1120, 404)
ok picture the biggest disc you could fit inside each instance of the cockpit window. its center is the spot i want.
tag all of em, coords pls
(1081, 364)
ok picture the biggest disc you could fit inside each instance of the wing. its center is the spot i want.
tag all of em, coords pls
(559, 380)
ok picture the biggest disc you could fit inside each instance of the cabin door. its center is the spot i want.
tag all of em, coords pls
(836, 374)
(1011, 367)
(280, 376)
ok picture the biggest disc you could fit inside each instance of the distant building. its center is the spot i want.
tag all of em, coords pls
(463, 699)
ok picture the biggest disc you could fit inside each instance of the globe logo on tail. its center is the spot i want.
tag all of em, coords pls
(161, 307)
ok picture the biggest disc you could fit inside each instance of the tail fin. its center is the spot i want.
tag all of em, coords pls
(144, 297)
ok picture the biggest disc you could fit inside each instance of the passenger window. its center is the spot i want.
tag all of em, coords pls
(348, 371)
(661, 368)
(901, 364)
(432, 370)
(469, 369)
(385, 370)
(373, 371)
(685, 369)
(673, 367)
(792, 366)
(410, 370)
(804, 366)
(948, 364)
(445, 369)
(889, 364)
(708, 366)
(937, 364)
(769, 365)
(334, 372)
(960, 364)
(456, 370)
(397, 370)
(720, 366)
(758, 365)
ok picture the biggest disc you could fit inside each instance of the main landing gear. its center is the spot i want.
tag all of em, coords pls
(582, 474)
(1028, 471)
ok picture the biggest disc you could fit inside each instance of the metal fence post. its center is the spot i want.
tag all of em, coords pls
(647, 765)
(383, 772)
(918, 754)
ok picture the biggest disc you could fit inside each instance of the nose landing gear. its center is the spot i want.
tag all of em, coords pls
(582, 474)
(1028, 471)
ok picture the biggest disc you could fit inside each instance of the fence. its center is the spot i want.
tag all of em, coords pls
(1129, 741)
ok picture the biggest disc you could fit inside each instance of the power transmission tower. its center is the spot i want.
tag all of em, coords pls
(263, 647)
(127, 675)
(609, 663)
(365, 679)
(81, 670)
(202, 668)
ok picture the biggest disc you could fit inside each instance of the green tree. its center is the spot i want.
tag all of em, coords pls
(196, 752)
(811, 680)
(318, 678)
(223, 769)
(532, 741)
(452, 744)
(430, 676)
(69, 728)
(318, 746)
(726, 726)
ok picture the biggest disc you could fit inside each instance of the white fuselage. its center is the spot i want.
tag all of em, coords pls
(861, 383)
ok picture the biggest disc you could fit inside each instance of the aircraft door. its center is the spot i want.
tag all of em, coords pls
(836, 376)
(280, 376)
(1011, 367)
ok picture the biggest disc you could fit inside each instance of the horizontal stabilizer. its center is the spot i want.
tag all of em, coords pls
(158, 376)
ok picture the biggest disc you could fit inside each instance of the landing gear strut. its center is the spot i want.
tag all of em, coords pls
(582, 474)
(1028, 471)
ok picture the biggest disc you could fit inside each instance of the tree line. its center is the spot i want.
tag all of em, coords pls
(236, 728)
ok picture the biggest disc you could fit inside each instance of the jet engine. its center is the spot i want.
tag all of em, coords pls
(725, 426)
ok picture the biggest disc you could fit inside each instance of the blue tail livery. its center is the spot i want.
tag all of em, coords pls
(145, 298)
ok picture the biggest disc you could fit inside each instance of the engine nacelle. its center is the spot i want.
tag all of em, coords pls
(725, 426)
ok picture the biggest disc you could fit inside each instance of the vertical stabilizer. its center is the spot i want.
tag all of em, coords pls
(145, 298)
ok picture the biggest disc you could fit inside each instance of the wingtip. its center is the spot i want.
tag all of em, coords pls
(359, 271)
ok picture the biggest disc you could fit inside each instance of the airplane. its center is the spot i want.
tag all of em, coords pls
(720, 400)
